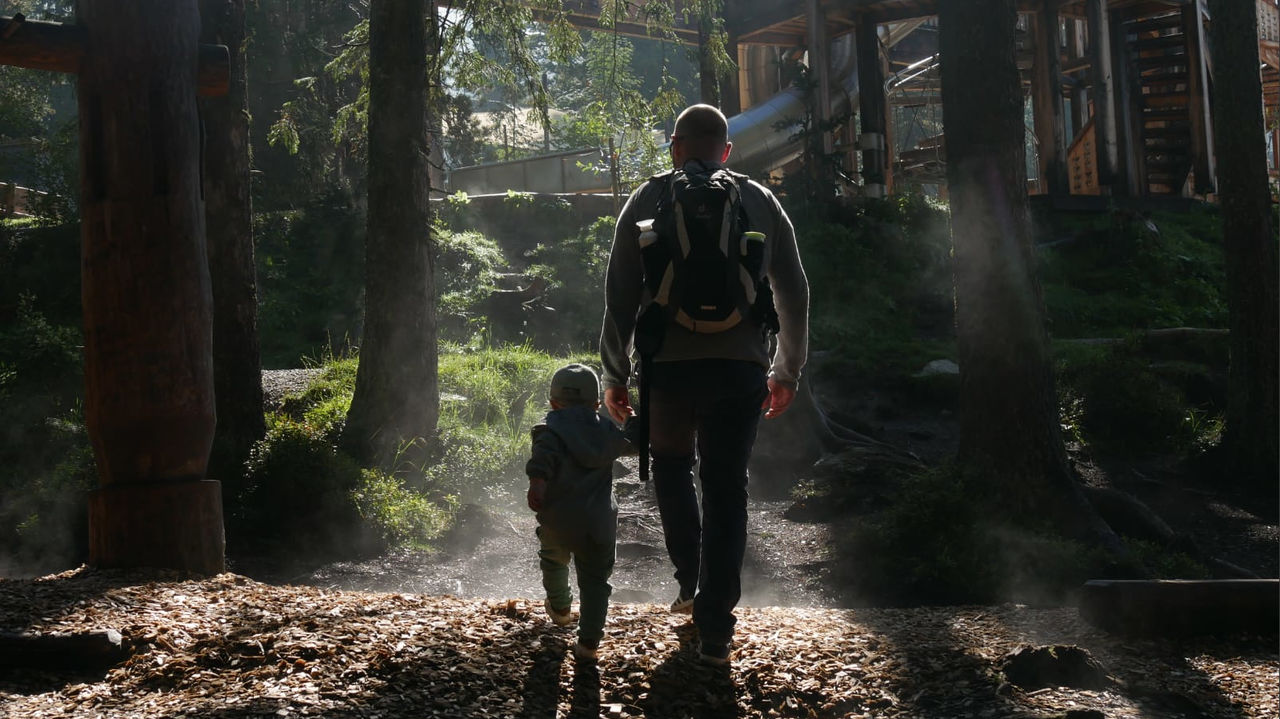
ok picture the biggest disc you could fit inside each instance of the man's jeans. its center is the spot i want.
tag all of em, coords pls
(713, 406)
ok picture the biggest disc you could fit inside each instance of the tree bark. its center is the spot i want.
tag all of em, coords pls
(396, 399)
(1252, 429)
(237, 365)
(1009, 434)
(149, 404)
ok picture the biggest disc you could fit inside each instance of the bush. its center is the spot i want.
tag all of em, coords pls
(1112, 400)
(938, 542)
(470, 266)
(401, 515)
(297, 495)
(880, 283)
(574, 269)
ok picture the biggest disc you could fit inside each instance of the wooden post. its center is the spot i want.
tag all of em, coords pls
(1046, 99)
(730, 86)
(1079, 105)
(872, 108)
(820, 70)
(147, 305)
(1103, 94)
(1130, 165)
(1202, 159)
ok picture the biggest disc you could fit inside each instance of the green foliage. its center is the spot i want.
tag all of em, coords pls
(937, 543)
(574, 269)
(310, 280)
(1112, 400)
(298, 494)
(879, 283)
(489, 401)
(401, 515)
(1123, 272)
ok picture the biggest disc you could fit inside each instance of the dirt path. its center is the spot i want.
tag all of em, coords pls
(493, 555)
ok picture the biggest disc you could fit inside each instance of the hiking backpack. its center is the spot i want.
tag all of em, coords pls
(702, 265)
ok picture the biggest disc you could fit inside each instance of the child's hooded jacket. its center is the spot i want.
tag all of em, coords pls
(574, 449)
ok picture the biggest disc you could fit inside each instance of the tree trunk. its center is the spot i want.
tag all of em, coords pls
(1252, 428)
(396, 398)
(1010, 436)
(237, 366)
(149, 403)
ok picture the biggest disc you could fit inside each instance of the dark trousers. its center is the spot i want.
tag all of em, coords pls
(711, 407)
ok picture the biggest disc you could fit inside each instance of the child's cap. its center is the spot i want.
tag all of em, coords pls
(575, 384)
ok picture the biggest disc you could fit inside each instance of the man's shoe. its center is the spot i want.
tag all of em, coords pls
(716, 655)
(586, 650)
(683, 603)
(559, 617)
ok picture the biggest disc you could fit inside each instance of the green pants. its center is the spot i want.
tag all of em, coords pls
(593, 562)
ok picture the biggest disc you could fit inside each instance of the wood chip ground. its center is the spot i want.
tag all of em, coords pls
(232, 647)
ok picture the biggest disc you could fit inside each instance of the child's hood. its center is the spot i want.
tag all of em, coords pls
(592, 440)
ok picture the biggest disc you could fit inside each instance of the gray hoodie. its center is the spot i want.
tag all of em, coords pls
(574, 449)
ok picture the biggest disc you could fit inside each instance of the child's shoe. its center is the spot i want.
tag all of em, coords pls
(586, 650)
(559, 617)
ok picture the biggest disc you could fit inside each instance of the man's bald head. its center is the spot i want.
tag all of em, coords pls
(701, 133)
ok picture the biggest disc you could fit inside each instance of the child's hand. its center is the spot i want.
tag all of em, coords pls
(537, 491)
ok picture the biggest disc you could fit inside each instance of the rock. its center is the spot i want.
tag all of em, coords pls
(939, 367)
(632, 596)
(637, 550)
(1053, 666)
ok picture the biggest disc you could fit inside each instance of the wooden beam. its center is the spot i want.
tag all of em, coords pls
(585, 14)
(57, 47)
(1182, 607)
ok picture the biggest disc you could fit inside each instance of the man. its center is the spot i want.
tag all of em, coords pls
(707, 388)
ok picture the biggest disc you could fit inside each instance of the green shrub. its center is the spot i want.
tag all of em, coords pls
(298, 496)
(880, 283)
(938, 542)
(469, 266)
(574, 269)
(310, 280)
(1112, 400)
(402, 516)
(1123, 272)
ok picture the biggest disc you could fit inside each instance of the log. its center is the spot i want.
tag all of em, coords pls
(53, 46)
(1179, 607)
(63, 651)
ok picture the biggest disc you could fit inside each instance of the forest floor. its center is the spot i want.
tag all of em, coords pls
(461, 632)
(228, 646)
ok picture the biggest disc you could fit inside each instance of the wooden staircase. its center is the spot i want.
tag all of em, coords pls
(1158, 49)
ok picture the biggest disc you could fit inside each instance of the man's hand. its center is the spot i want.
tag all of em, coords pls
(537, 492)
(779, 399)
(618, 404)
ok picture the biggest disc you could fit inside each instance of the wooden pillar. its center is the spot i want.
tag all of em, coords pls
(146, 293)
(820, 70)
(872, 110)
(1079, 103)
(1103, 95)
(1202, 157)
(730, 85)
(1046, 99)
(1130, 164)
